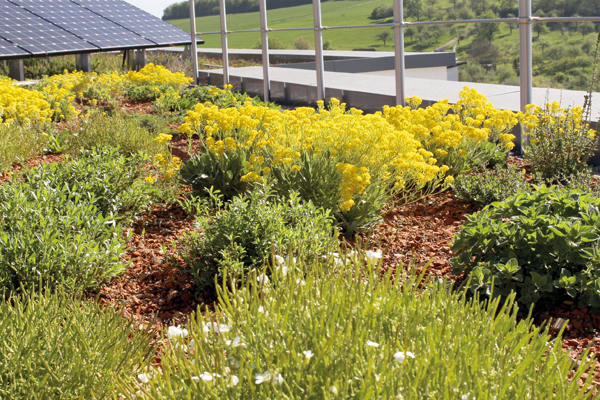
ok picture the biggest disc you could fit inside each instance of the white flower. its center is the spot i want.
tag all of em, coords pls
(401, 356)
(176, 331)
(233, 380)
(144, 378)
(261, 309)
(233, 362)
(260, 378)
(374, 255)
(373, 344)
(280, 260)
(192, 344)
(308, 354)
(264, 279)
(195, 378)
(333, 389)
(284, 270)
(300, 282)
(207, 376)
(236, 342)
(278, 379)
(216, 327)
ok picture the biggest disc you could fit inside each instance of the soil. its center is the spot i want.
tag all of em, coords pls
(157, 290)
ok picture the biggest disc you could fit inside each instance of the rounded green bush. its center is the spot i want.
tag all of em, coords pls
(542, 245)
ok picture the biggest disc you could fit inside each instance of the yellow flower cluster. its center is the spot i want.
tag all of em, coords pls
(21, 104)
(157, 75)
(365, 148)
(473, 123)
(168, 164)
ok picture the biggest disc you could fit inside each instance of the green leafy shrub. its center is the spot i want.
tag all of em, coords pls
(223, 98)
(19, 142)
(113, 130)
(59, 222)
(560, 141)
(490, 185)
(57, 347)
(541, 245)
(210, 170)
(246, 233)
(146, 92)
(113, 180)
(348, 333)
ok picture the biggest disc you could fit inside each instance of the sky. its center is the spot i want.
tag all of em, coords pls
(154, 7)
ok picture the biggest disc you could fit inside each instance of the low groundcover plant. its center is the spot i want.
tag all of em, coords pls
(346, 332)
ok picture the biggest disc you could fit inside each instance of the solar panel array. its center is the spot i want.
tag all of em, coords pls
(50, 27)
(131, 17)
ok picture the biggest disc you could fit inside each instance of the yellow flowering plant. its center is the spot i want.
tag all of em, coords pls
(560, 141)
(341, 159)
(461, 136)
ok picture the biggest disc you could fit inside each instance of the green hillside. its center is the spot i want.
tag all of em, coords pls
(563, 53)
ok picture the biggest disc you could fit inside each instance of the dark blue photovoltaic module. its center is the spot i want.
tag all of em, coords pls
(84, 24)
(136, 20)
(36, 35)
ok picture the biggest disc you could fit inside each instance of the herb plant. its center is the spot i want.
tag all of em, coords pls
(490, 185)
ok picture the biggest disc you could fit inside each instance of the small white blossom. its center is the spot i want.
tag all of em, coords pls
(280, 260)
(373, 256)
(278, 379)
(308, 354)
(233, 362)
(176, 331)
(216, 327)
(195, 378)
(236, 342)
(233, 380)
(192, 344)
(261, 309)
(144, 378)
(300, 282)
(264, 377)
(372, 344)
(333, 389)
(207, 376)
(401, 356)
(264, 279)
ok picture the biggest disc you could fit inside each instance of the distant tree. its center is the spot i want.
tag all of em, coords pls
(410, 31)
(484, 52)
(487, 31)
(327, 45)
(382, 11)
(479, 6)
(585, 28)
(384, 36)
(539, 27)
(414, 9)
(301, 43)
(512, 25)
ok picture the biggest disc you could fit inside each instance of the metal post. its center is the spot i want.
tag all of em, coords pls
(265, 48)
(224, 43)
(319, 49)
(399, 50)
(525, 62)
(83, 62)
(17, 70)
(194, 44)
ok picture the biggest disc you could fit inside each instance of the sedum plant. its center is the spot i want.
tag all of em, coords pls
(542, 245)
(317, 331)
(19, 141)
(54, 346)
(242, 236)
(490, 185)
(560, 141)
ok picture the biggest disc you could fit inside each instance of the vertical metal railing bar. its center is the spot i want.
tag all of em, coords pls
(319, 50)
(194, 54)
(525, 52)
(399, 50)
(265, 49)
(224, 42)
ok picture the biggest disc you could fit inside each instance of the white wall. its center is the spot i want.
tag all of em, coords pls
(437, 73)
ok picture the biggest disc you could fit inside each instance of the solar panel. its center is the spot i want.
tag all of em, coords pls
(36, 35)
(83, 23)
(9, 49)
(136, 20)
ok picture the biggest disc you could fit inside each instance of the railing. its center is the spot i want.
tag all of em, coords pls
(525, 21)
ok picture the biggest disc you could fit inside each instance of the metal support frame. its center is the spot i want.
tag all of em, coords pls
(525, 59)
(224, 43)
(399, 50)
(83, 62)
(319, 50)
(194, 48)
(141, 59)
(265, 49)
(17, 70)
